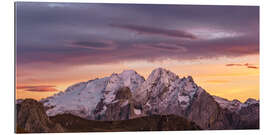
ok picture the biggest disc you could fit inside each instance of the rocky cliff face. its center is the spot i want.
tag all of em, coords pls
(127, 95)
(206, 112)
(121, 108)
(241, 115)
(249, 117)
(31, 117)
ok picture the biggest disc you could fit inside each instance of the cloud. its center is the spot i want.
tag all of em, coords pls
(58, 5)
(254, 67)
(251, 66)
(95, 45)
(228, 65)
(92, 41)
(99, 52)
(242, 49)
(247, 65)
(38, 88)
(162, 47)
(156, 31)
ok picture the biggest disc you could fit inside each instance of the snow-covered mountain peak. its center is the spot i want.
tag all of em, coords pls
(162, 75)
(82, 98)
(162, 72)
(128, 78)
(76, 86)
(164, 90)
(129, 72)
(79, 99)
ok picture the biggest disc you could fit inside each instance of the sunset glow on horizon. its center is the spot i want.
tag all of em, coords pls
(60, 44)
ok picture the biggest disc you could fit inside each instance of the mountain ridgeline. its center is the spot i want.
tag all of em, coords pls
(128, 97)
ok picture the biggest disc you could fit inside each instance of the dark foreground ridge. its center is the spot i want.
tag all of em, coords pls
(73, 123)
(31, 118)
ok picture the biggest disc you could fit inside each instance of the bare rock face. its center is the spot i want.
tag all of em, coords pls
(206, 112)
(121, 108)
(31, 117)
(249, 117)
(240, 115)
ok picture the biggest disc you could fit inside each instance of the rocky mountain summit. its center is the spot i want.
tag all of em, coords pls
(31, 117)
(128, 95)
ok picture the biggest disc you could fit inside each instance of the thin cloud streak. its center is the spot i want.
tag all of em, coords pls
(247, 65)
(156, 31)
(38, 88)
(228, 65)
(100, 45)
(254, 67)
(167, 47)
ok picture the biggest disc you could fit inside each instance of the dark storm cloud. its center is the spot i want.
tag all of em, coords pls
(72, 34)
(155, 31)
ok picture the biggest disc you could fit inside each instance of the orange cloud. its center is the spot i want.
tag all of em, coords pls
(234, 65)
(246, 65)
(39, 88)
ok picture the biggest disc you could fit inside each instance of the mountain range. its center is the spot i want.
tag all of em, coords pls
(128, 96)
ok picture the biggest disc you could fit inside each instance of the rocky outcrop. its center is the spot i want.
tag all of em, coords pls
(121, 108)
(31, 117)
(249, 117)
(206, 112)
(240, 115)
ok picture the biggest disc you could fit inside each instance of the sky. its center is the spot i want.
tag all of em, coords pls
(60, 44)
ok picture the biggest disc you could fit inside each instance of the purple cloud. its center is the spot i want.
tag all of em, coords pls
(77, 34)
(162, 47)
(95, 45)
(155, 31)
